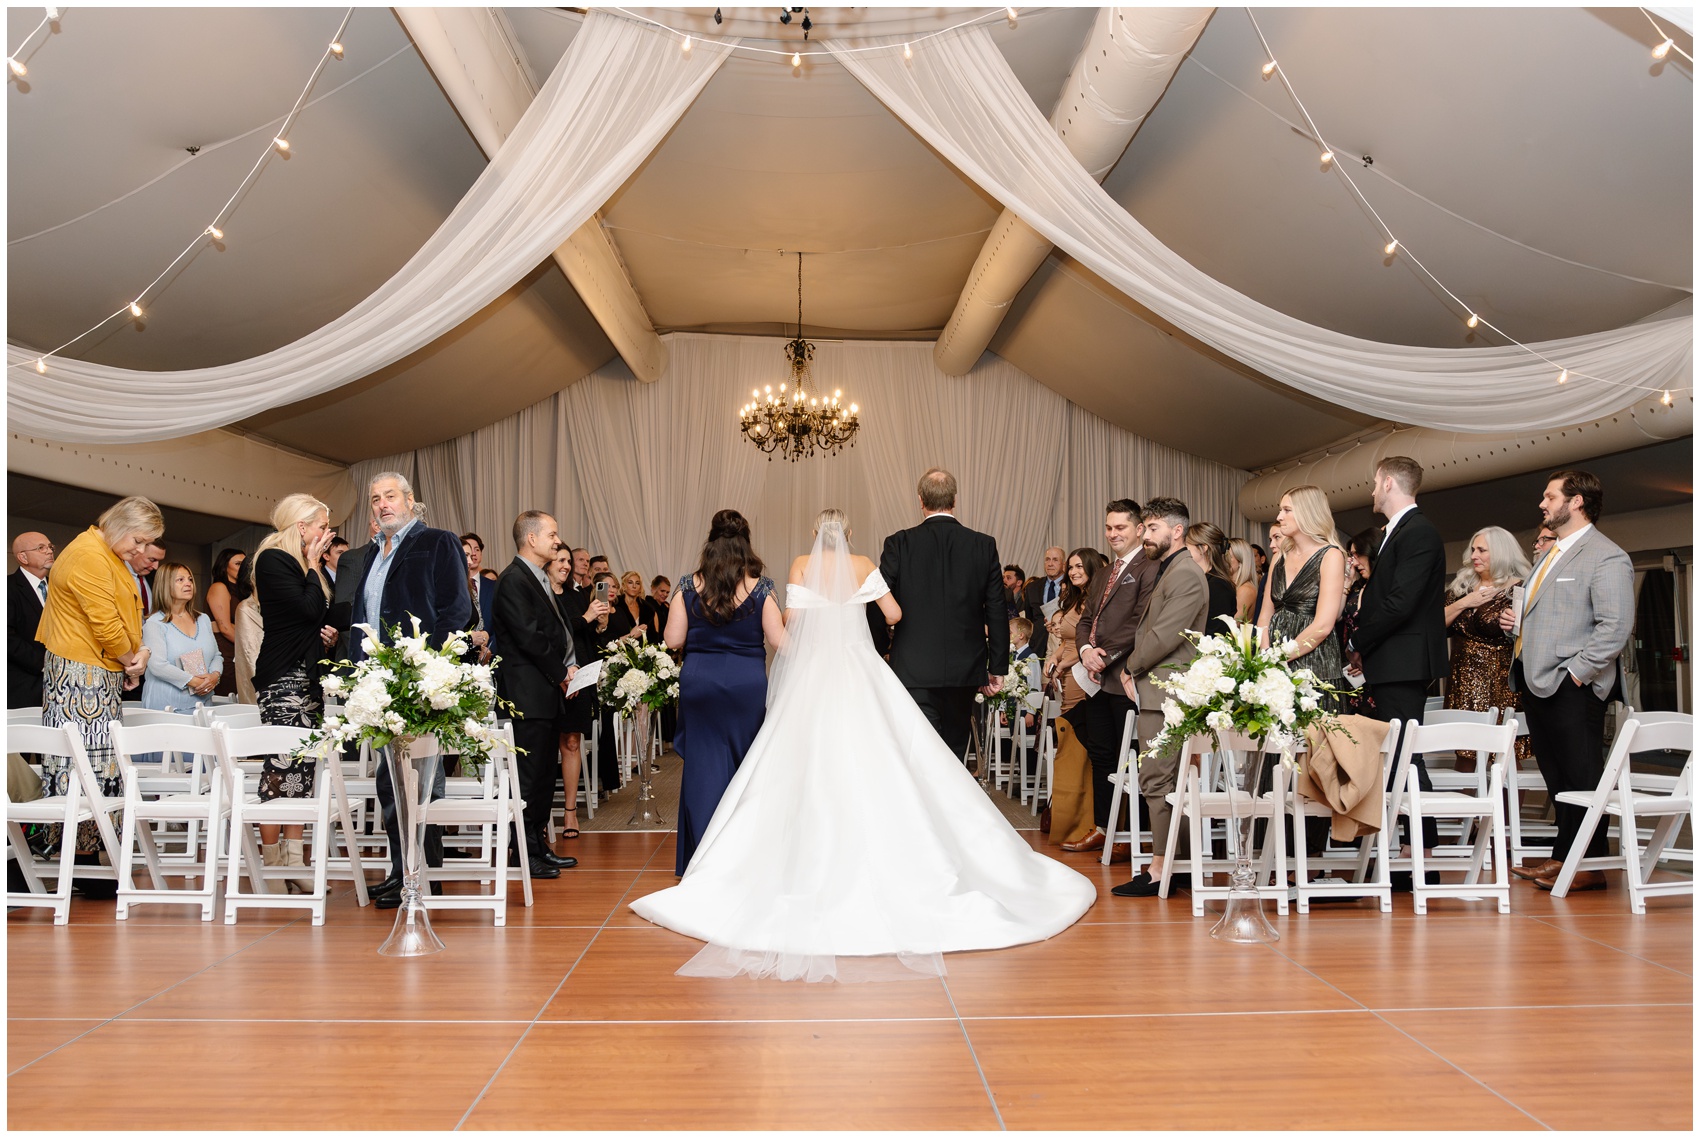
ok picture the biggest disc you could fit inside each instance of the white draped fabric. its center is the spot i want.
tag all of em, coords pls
(636, 470)
(960, 96)
(618, 91)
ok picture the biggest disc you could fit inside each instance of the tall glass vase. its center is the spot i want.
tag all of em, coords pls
(1243, 921)
(647, 811)
(412, 776)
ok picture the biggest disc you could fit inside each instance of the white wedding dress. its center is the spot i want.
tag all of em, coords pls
(851, 844)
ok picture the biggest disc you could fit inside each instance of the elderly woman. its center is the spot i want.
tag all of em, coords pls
(294, 602)
(1481, 655)
(184, 663)
(91, 628)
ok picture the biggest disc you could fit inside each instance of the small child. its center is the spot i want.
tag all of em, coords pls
(1020, 633)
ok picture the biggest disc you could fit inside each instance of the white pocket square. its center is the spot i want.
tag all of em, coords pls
(1562, 580)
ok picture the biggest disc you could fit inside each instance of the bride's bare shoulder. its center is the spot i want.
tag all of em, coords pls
(797, 569)
(864, 568)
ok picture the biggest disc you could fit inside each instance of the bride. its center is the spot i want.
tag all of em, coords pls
(851, 844)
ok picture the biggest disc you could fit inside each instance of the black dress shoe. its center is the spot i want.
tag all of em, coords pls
(1401, 881)
(390, 884)
(542, 870)
(1142, 886)
(390, 900)
(550, 857)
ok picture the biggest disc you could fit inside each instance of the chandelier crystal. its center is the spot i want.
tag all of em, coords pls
(791, 422)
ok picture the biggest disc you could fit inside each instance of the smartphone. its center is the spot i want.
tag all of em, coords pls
(603, 590)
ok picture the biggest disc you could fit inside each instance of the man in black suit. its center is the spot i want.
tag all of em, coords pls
(26, 592)
(350, 572)
(143, 560)
(412, 571)
(1040, 593)
(539, 657)
(955, 628)
(1401, 633)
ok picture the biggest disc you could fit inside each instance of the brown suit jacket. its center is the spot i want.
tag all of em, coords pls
(1118, 624)
(1179, 602)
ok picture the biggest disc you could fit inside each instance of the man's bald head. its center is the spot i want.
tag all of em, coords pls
(34, 552)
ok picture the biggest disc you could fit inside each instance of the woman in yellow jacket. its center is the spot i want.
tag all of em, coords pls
(91, 626)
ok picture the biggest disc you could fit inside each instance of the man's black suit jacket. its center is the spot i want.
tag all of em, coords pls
(534, 642)
(955, 626)
(1033, 608)
(24, 656)
(427, 579)
(1401, 631)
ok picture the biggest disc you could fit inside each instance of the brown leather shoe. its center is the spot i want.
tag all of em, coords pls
(1121, 852)
(1093, 841)
(1547, 868)
(1583, 882)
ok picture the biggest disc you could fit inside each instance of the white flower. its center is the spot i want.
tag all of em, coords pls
(417, 627)
(1225, 685)
(1219, 721)
(394, 722)
(1308, 703)
(1172, 713)
(979, 697)
(332, 684)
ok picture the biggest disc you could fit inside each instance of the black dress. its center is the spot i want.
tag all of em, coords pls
(1295, 608)
(294, 607)
(1223, 602)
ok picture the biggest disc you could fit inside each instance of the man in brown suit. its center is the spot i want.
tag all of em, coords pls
(1115, 600)
(1180, 601)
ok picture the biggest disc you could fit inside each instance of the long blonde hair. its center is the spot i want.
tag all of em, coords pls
(1506, 562)
(132, 515)
(1245, 561)
(1315, 518)
(286, 515)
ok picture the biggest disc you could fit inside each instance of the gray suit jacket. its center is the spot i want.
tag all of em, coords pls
(1581, 619)
(1180, 601)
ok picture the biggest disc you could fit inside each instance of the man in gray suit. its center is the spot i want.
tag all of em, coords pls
(1577, 613)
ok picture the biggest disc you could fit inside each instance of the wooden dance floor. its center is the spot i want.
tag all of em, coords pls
(1563, 1014)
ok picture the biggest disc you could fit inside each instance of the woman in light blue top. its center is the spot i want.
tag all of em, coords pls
(174, 633)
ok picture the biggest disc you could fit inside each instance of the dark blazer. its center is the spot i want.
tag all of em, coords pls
(293, 606)
(955, 627)
(427, 580)
(1118, 624)
(351, 570)
(534, 643)
(24, 656)
(1401, 630)
(1033, 609)
(486, 609)
(587, 642)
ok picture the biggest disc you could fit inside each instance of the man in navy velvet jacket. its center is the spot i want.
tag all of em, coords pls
(411, 571)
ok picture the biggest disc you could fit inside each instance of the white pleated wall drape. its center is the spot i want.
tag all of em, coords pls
(618, 91)
(960, 96)
(636, 470)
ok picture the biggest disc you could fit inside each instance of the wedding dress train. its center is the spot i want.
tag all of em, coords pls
(850, 832)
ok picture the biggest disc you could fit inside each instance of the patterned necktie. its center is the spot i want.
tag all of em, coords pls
(41, 587)
(1529, 599)
(1109, 589)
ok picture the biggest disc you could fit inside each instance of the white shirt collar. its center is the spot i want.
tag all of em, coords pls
(939, 514)
(1563, 545)
(1394, 521)
(35, 582)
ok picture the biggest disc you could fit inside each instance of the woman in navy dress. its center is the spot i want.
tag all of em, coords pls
(720, 615)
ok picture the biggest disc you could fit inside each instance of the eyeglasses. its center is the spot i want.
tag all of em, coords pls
(48, 548)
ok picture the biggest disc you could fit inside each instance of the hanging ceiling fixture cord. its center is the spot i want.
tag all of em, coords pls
(1397, 247)
(799, 296)
(279, 144)
(12, 56)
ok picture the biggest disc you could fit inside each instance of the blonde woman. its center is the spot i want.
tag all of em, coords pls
(91, 628)
(185, 664)
(1243, 562)
(294, 600)
(1307, 584)
(1481, 655)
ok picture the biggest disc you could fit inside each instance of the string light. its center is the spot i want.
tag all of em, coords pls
(1012, 14)
(1391, 247)
(796, 59)
(1472, 321)
(1663, 49)
(1269, 69)
(279, 144)
(686, 46)
(1665, 399)
(14, 61)
(1563, 375)
(908, 52)
(18, 69)
(1327, 159)
(638, 15)
(52, 13)
(1667, 44)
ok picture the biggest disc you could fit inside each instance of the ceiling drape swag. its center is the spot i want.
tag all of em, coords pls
(618, 91)
(961, 97)
(636, 470)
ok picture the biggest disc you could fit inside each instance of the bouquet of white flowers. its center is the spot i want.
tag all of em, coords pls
(1233, 686)
(1017, 696)
(406, 687)
(637, 673)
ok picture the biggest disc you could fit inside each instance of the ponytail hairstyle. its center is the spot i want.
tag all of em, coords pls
(727, 559)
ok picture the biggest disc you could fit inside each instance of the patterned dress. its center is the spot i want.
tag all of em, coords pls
(1481, 669)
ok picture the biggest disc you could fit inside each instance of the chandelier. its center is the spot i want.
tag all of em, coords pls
(791, 421)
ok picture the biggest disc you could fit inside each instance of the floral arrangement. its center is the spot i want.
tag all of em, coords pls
(1234, 686)
(1017, 695)
(636, 673)
(406, 687)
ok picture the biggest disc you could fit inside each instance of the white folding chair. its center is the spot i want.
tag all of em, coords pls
(1045, 754)
(487, 802)
(229, 714)
(1125, 783)
(234, 744)
(1618, 796)
(1196, 802)
(1372, 859)
(1527, 838)
(23, 716)
(81, 802)
(1485, 812)
(198, 805)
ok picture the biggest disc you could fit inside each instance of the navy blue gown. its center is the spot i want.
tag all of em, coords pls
(722, 702)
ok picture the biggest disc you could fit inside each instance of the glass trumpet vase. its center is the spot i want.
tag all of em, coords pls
(1243, 921)
(412, 775)
(646, 813)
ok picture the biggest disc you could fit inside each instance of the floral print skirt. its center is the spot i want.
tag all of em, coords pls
(89, 699)
(292, 700)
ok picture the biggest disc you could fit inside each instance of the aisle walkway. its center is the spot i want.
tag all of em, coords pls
(1564, 1014)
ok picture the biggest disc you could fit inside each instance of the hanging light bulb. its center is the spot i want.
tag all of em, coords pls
(215, 233)
(1564, 375)
(1472, 321)
(336, 48)
(1327, 158)
(908, 52)
(686, 46)
(1012, 14)
(282, 144)
(52, 13)
(1666, 399)
(796, 59)
(1269, 69)
(136, 309)
(1663, 49)
(41, 365)
(717, 16)
(18, 69)
(1391, 247)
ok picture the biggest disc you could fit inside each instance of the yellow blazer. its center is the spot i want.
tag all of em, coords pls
(93, 613)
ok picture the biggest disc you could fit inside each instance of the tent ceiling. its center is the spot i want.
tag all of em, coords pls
(1547, 127)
